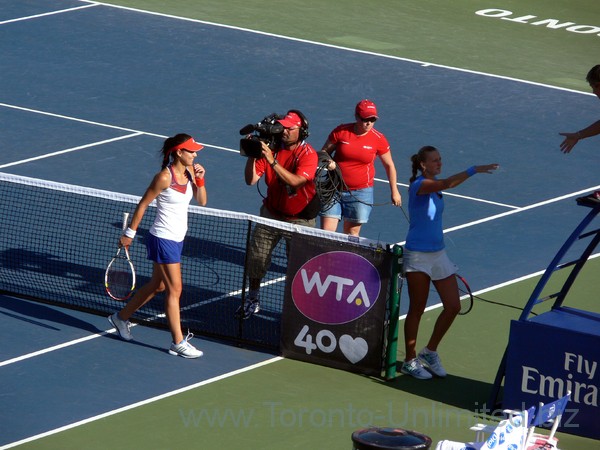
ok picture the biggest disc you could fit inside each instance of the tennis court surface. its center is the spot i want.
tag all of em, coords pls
(90, 91)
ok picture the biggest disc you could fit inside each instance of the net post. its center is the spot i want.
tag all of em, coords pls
(394, 309)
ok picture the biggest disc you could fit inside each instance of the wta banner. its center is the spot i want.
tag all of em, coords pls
(335, 304)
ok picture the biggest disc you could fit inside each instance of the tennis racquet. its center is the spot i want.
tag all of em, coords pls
(466, 296)
(119, 278)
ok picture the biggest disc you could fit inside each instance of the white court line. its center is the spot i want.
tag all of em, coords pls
(68, 150)
(137, 132)
(105, 125)
(338, 47)
(143, 402)
(75, 119)
(497, 216)
(516, 210)
(113, 330)
(481, 200)
(227, 149)
(202, 383)
(61, 346)
(451, 194)
(220, 297)
(524, 208)
(48, 13)
(483, 291)
(55, 347)
(424, 64)
(500, 285)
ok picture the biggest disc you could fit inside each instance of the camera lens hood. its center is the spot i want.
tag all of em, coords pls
(251, 147)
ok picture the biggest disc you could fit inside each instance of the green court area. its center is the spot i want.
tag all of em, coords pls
(554, 43)
(288, 404)
(293, 405)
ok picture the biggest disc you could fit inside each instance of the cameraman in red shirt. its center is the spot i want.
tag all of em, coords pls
(289, 173)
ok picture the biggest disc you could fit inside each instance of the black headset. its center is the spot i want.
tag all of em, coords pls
(304, 126)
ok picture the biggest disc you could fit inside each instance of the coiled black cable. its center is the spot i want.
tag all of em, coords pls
(330, 184)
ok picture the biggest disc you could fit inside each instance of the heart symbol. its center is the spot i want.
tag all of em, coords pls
(353, 349)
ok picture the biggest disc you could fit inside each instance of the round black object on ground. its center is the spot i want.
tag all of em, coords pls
(389, 439)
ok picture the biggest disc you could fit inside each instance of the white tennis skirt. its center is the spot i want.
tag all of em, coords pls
(435, 264)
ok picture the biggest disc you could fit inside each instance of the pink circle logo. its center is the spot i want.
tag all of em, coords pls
(336, 287)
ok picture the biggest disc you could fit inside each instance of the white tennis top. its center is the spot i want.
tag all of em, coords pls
(171, 219)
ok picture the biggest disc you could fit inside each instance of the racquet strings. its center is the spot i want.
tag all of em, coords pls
(119, 278)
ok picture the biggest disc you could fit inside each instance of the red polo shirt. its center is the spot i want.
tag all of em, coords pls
(281, 199)
(355, 155)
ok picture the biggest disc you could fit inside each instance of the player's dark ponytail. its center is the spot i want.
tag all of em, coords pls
(169, 144)
(418, 158)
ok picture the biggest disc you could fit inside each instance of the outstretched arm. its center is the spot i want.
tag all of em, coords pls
(573, 138)
(430, 185)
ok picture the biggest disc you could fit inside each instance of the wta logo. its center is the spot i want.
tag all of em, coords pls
(336, 287)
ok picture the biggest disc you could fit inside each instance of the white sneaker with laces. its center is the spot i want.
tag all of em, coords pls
(122, 326)
(415, 369)
(432, 361)
(185, 349)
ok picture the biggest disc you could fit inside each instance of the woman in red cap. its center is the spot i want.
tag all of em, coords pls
(173, 188)
(354, 147)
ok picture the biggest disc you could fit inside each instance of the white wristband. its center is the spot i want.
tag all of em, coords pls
(130, 233)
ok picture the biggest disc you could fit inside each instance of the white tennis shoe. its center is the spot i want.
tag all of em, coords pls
(415, 368)
(185, 349)
(122, 326)
(432, 361)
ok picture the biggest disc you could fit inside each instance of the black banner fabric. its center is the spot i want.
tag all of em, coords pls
(335, 304)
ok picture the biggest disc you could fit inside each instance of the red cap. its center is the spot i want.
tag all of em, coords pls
(365, 109)
(190, 145)
(291, 120)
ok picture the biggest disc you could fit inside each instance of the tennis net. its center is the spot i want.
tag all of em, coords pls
(57, 240)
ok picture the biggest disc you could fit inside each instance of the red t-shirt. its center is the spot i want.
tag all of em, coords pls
(355, 155)
(282, 199)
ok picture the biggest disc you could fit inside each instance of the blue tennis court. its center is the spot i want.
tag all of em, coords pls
(214, 89)
(91, 91)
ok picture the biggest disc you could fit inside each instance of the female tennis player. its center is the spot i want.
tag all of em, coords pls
(173, 188)
(425, 259)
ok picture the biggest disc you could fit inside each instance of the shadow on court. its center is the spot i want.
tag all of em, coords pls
(463, 393)
(45, 316)
(30, 312)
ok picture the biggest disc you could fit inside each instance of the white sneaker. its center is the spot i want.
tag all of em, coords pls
(415, 369)
(432, 361)
(185, 349)
(122, 326)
